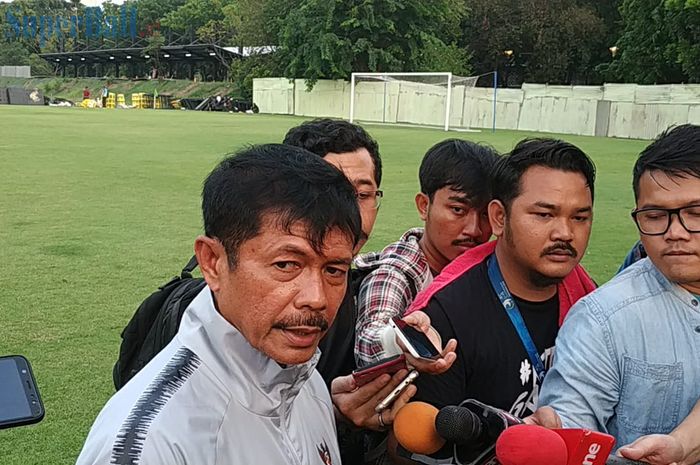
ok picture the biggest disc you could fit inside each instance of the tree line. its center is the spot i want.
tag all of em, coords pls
(542, 41)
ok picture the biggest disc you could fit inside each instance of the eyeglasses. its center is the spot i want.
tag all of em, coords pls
(657, 221)
(370, 199)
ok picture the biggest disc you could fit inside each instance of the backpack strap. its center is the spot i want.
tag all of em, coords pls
(189, 268)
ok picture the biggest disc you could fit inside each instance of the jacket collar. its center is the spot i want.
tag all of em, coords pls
(255, 380)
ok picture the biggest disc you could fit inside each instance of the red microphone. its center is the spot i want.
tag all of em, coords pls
(530, 445)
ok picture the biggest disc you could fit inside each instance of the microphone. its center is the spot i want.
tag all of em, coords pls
(414, 428)
(473, 423)
(473, 428)
(532, 445)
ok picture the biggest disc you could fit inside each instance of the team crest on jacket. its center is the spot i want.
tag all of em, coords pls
(325, 453)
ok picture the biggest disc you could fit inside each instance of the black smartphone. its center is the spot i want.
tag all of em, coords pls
(20, 403)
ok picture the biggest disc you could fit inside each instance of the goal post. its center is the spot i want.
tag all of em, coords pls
(420, 99)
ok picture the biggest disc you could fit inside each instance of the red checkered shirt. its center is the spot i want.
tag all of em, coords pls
(398, 273)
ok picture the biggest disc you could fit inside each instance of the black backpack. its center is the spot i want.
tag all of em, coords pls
(155, 323)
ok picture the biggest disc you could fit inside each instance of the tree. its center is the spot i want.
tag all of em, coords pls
(332, 38)
(436, 55)
(152, 49)
(647, 50)
(194, 15)
(257, 22)
(491, 28)
(556, 41)
(564, 37)
(256, 66)
(684, 24)
(13, 54)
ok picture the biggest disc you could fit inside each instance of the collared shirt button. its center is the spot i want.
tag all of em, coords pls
(697, 329)
(694, 302)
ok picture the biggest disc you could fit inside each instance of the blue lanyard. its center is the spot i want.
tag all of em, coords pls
(499, 286)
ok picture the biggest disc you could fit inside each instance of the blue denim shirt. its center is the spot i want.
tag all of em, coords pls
(627, 358)
(635, 254)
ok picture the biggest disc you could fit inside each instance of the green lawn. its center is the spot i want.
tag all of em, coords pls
(99, 207)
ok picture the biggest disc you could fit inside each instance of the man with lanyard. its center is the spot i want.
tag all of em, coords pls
(505, 300)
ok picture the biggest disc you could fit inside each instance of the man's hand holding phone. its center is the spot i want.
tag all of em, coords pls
(357, 404)
(422, 345)
(388, 365)
(371, 397)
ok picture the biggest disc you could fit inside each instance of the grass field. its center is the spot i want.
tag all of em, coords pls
(98, 208)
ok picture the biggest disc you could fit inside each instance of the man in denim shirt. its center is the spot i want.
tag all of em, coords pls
(628, 355)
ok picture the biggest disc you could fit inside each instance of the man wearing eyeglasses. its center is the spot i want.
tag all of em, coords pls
(628, 355)
(349, 148)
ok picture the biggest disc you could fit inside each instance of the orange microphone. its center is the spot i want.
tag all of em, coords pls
(414, 428)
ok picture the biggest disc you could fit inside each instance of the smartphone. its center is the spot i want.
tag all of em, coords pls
(415, 341)
(20, 403)
(388, 365)
(393, 395)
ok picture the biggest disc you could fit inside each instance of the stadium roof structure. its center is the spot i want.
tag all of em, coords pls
(174, 57)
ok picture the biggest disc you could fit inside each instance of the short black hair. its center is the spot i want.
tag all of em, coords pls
(550, 153)
(323, 136)
(462, 165)
(676, 152)
(288, 182)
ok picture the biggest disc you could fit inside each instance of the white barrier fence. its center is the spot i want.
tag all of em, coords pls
(615, 110)
(16, 71)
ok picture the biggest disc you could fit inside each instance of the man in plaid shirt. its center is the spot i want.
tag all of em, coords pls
(455, 190)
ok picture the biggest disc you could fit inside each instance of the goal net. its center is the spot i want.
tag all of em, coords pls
(422, 99)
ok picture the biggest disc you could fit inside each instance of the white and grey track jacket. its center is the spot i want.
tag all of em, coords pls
(210, 398)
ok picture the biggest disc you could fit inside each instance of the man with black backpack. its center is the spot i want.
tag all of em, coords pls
(237, 383)
(346, 146)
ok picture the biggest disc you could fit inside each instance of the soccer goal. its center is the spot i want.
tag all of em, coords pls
(421, 99)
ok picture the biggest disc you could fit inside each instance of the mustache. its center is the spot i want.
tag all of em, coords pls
(467, 242)
(303, 320)
(560, 247)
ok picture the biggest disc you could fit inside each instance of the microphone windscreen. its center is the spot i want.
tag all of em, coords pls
(414, 428)
(458, 424)
(531, 445)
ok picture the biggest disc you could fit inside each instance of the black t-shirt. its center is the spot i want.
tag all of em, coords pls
(338, 344)
(338, 359)
(492, 364)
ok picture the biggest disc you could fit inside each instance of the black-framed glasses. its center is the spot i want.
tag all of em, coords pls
(370, 199)
(657, 221)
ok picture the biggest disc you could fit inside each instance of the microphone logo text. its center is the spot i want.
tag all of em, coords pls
(592, 454)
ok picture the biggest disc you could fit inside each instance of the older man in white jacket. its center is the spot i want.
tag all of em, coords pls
(237, 385)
